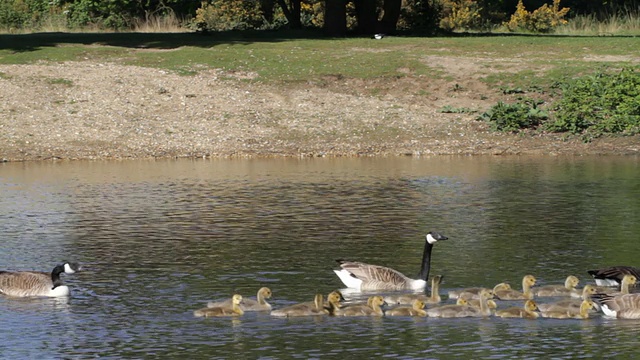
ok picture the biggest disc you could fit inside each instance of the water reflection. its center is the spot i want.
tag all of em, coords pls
(161, 238)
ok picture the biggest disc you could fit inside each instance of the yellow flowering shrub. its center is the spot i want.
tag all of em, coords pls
(544, 19)
(460, 14)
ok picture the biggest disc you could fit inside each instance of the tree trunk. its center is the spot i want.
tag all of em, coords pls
(335, 17)
(296, 9)
(293, 14)
(392, 9)
(367, 16)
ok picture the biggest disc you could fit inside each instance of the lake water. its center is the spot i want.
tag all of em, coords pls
(158, 239)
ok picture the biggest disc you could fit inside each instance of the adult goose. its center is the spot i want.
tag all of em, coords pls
(361, 276)
(625, 306)
(405, 299)
(233, 310)
(36, 283)
(260, 304)
(612, 276)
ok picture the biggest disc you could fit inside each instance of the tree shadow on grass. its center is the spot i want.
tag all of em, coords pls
(35, 41)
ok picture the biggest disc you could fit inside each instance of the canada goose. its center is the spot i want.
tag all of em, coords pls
(612, 276)
(625, 306)
(233, 310)
(567, 289)
(311, 308)
(528, 311)
(404, 299)
(569, 304)
(582, 313)
(491, 304)
(625, 283)
(361, 276)
(303, 309)
(449, 311)
(416, 309)
(36, 283)
(260, 304)
(372, 308)
(527, 282)
(472, 293)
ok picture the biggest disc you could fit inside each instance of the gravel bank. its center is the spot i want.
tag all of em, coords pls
(91, 110)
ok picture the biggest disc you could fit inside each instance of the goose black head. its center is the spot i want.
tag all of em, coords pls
(433, 237)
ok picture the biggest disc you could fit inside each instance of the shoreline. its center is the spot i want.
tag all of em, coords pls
(101, 111)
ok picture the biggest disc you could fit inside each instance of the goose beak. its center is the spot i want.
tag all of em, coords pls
(433, 236)
(438, 236)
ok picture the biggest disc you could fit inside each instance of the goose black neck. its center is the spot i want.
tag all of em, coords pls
(426, 261)
(55, 276)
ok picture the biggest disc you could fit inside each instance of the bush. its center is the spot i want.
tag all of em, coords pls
(524, 114)
(600, 104)
(460, 14)
(13, 15)
(224, 15)
(421, 16)
(544, 19)
(27, 14)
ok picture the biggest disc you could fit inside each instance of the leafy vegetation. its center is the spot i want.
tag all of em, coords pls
(460, 15)
(448, 109)
(524, 114)
(598, 104)
(542, 20)
(363, 16)
(590, 105)
(228, 15)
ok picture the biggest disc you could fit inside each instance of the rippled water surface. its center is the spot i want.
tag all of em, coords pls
(158, 239)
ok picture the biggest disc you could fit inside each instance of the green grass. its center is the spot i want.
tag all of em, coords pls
(537, 61)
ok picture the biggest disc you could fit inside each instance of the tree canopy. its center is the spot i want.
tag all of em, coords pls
(336, 17)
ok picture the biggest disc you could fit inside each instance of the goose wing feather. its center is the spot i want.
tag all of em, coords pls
(25, 283)
(614, 272)
(626, 303)
(383, 277)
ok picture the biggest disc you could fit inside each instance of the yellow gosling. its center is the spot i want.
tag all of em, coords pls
(527, 282)
(233, 310)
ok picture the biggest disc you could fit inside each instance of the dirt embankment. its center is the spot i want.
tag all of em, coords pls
(94, 110)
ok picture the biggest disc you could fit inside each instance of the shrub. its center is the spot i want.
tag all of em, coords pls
(544, 19)
(13, 15)
(28, 14)
(600, 104)
(421, 16)
(223, 15)
(460, 14)
(524, 114)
